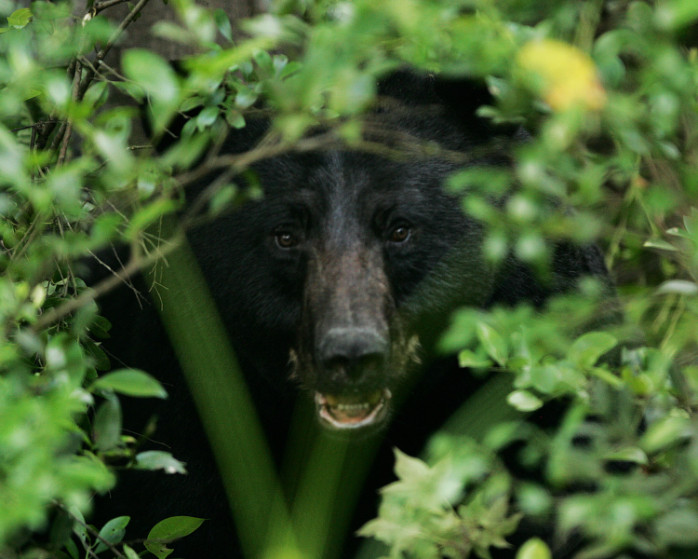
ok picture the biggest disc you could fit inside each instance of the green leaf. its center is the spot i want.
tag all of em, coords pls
(79, 526)
(99, 358)
(20, 18)
(660, 244)
(235, 118)
(673, 14)
(587, 349)
(207, 117)
(112, 532)
(665, 432)
(158, 79)
(222, 199)
(245, 97)
(96, 94)
(408, 467)
(679, 287)
(107, 425)
(153, 73)
(223, 24)
(168, 530)
(630, 454)
(159, 460)
(524, 401)
(467, 358)
(534, 548)
(492, 342)
(130, 382)
(607, 376)
(130, 553)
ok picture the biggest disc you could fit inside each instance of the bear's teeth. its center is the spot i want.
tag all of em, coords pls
(351, 407)
(352, 411)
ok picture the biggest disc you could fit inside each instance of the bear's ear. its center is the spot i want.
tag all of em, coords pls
(463, 97)
(460, 99)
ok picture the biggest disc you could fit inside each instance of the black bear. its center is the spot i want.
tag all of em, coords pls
(332, 288)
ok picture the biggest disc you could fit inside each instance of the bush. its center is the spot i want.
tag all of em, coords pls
(607, 92)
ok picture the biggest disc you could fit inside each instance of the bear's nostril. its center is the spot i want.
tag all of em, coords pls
(353, 368)
(352, 352)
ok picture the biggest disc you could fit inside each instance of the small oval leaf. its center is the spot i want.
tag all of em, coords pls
(107, 424)
(152, 73)
(535, 548)
(130, 382)
(20, 18)
(469, 359)
(168, 530)
(159, 460)
(112, 532)
(492, 342)
(524, 401)
(679, 287)
(665, 432)
(587, 349)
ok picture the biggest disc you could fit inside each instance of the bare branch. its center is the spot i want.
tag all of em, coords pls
(100, 6)
(90, 74)
(36, 125)
(93, 531)
(136, 264)
(69, 127)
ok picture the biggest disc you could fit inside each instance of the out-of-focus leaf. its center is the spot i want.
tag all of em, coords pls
(524, 401)
(20, 18)
(130, 382)
(107, 424)
(492, 342)
(159, 460)
(587, 349)
(535, 548)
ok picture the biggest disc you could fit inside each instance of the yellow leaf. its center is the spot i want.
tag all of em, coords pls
(566, 76)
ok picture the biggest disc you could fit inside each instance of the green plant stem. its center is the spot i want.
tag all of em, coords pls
(224, 405)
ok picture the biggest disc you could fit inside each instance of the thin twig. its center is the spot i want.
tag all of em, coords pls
(51, 123)
(69, 127)
(136, 264)
(238, 162)
(127, 281)
(59, 136)
(100, 6)
(241, 161)
(103, 66)
(93, 531)
(90, 74)
(36, 125)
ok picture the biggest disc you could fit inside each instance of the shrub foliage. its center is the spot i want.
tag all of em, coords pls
(606, 90)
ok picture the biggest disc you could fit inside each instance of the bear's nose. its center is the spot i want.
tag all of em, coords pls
(352, 353)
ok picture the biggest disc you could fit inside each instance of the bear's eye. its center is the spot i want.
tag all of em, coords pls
(286, 239)
(399, 234)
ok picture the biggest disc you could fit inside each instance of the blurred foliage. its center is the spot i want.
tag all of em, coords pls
(607, 93)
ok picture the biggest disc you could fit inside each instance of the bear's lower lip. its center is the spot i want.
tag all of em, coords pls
(352, 411)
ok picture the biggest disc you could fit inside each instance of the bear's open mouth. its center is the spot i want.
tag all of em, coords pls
(352, 411)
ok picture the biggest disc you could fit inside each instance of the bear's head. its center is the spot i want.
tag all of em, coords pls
(359, 238)
(351, 259)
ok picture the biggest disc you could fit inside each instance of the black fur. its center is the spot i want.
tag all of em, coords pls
(346, 269)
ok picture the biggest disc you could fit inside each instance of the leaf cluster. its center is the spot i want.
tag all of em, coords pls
(606, 93)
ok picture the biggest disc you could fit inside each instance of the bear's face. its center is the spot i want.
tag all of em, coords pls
(352, 247)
